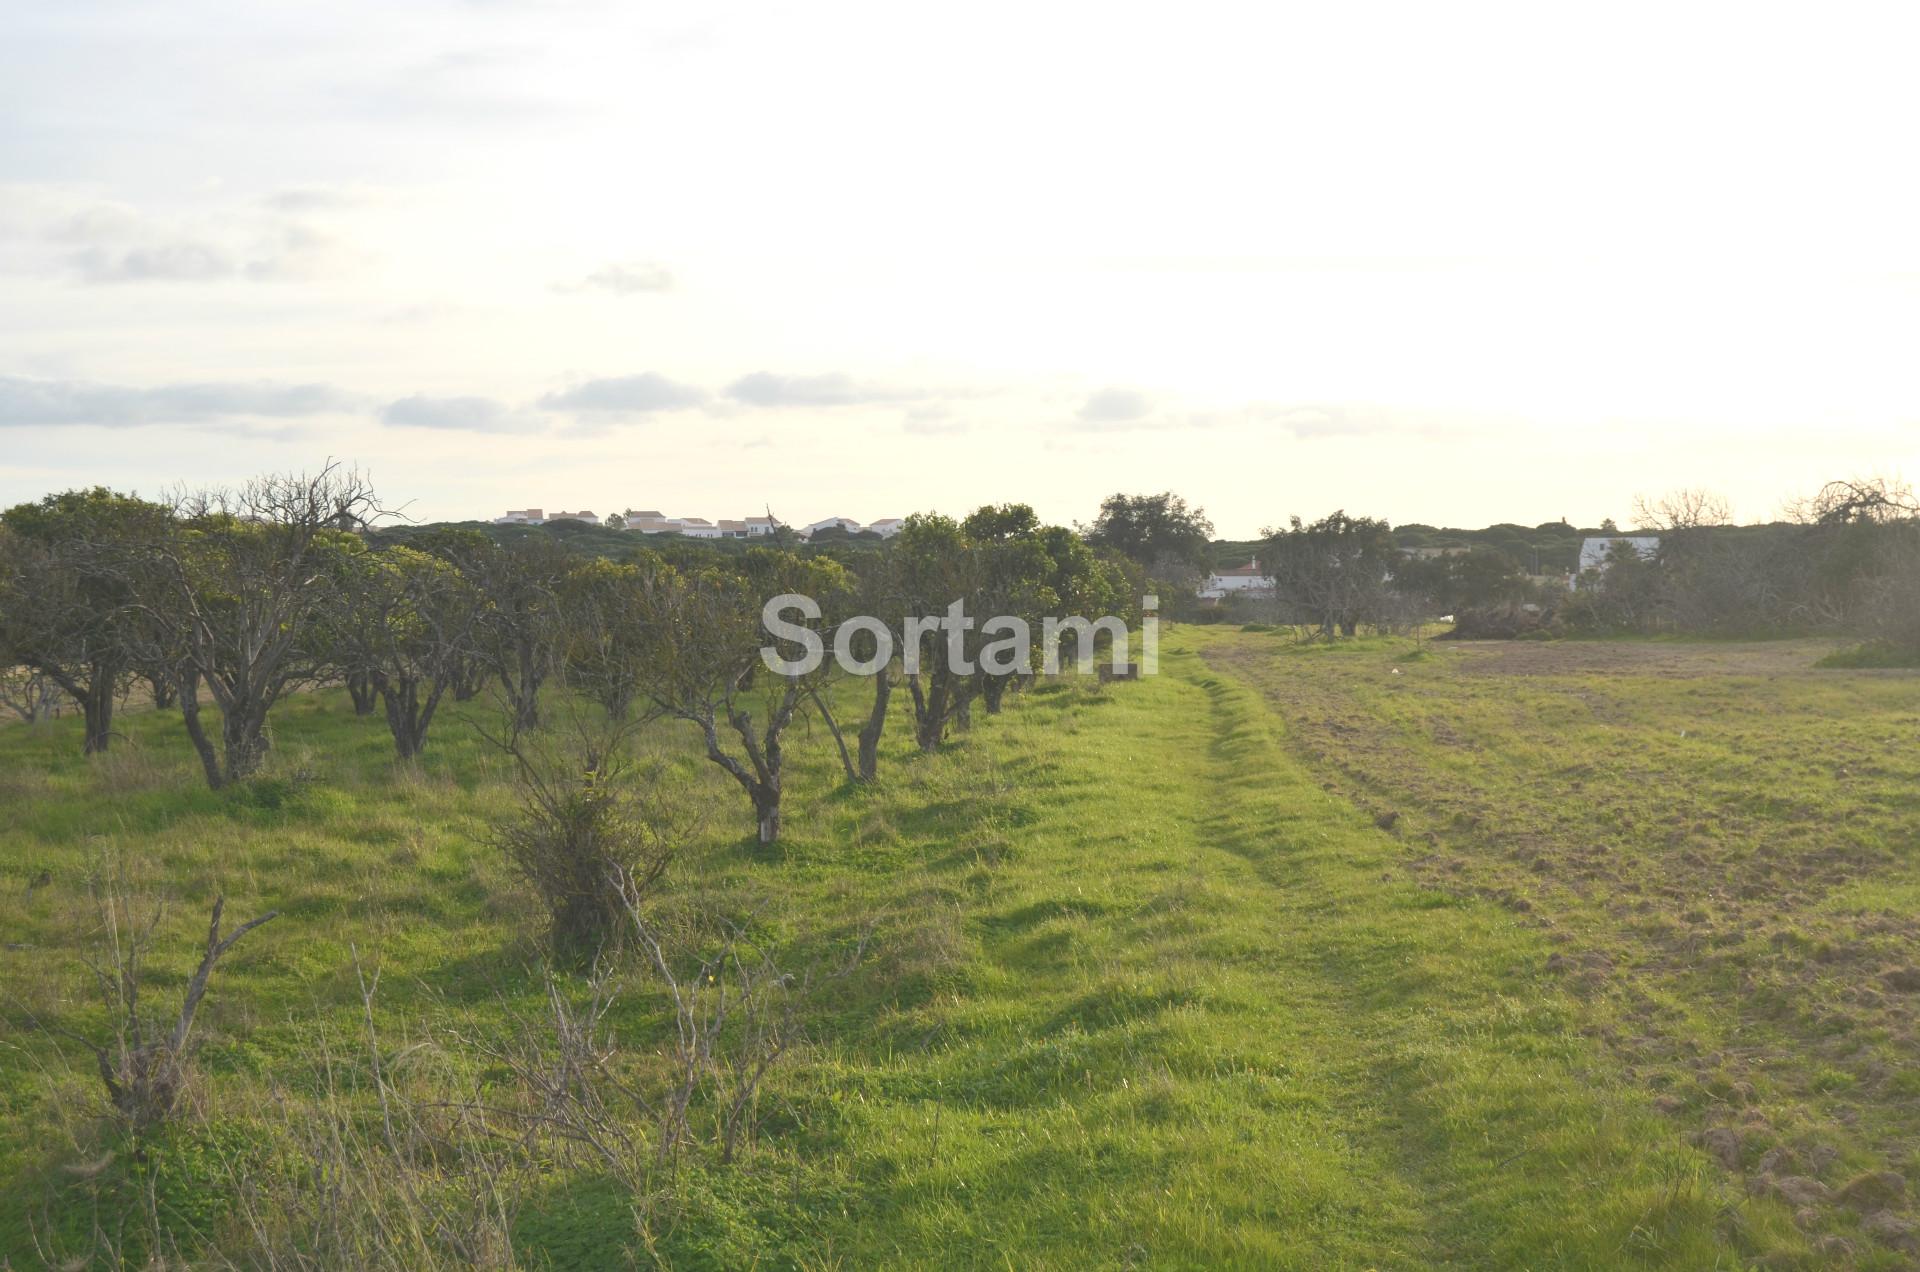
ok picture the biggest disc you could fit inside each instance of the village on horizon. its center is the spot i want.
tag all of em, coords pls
(647, 522)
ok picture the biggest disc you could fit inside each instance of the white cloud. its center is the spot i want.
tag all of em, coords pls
(648, 391)
(50, 403)
(765, 388)
(471, 414)
(177, 262)
(1114, 406)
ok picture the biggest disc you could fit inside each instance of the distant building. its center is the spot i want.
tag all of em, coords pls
(587, 517)
(648, 521)
(1244, 580)
(887, 527)
(1428, 554)
(1594, 551)
(832, 523)
(526, 517)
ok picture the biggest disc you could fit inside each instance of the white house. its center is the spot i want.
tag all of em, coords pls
(1594, 551)
(524, 517)
(697, 528)
(844, 523)
(887, 527)
(1246, 580)
(587, 517)
(758, 526)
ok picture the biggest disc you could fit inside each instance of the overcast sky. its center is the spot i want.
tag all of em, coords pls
(1449, 263)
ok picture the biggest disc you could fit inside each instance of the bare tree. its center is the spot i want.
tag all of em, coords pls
(1689, 509)
(1856, 501)
(234, 600)
(29, 694)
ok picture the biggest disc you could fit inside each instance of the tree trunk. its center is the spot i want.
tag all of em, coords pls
(523, 691)
(190, 715)
(833, 727)
(360, 687)
(930, 712)
(164, 691)
(466, 681)
(243, 737)
(407, 715)
(97, 705)
(766, 811)
(398, 697)
(992, 691)
(875, 725)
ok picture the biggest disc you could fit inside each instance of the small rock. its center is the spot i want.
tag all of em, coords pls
(1722, 1145)
(1875, 1190)
(1798, 1190)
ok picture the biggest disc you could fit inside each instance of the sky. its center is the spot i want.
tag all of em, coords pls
(1452, 264)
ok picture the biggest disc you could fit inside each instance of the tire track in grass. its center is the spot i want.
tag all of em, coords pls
(1452, 1065)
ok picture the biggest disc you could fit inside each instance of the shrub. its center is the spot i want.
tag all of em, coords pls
(591, 832)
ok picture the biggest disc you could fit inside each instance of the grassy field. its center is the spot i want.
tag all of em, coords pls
(1519, 956)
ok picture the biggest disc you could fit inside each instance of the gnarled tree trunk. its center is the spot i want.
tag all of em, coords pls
(408, 713)
(360, 688)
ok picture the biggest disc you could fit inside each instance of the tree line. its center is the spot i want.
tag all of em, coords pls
(236, 598)
(1845, 561)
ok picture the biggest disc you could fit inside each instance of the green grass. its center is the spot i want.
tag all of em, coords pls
(1143, 991)
(1716, 840)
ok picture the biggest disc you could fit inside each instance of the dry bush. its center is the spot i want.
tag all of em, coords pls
(145, 1065)
(736, 1013)
(421, 1183)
